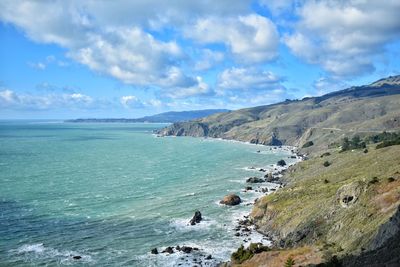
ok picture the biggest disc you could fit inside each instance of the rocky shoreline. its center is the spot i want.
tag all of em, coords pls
(266, 181)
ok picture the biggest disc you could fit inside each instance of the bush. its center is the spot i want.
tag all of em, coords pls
(308, 144)
(289, 262)
(365, 151)
(391, 179)
(281, 163)
(374, 180)
(326, 164)
(388, 143)
(355, 143)
(326, 181)
(325, 154)
(243, 254)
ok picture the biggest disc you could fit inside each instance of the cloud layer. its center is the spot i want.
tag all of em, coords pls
(196, 52)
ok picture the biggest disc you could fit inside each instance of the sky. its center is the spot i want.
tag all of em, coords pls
(129, 58)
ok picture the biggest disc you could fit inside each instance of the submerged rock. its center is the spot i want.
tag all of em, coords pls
(254, 180)
(186, 249)
(231, 200)
(196, 218)
(169, 250)
(281, 163)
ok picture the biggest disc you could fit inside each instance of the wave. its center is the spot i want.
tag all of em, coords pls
(41, 252)
(183, 224)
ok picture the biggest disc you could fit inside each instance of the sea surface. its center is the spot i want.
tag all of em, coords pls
(109, 193)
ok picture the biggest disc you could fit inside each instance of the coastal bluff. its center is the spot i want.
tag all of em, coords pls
(323, 120)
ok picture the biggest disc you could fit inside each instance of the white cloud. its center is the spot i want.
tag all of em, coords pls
(12, 100)
(326, 85)
(132, 56)
(131, 101)
(115, 39)
(344, 36)
(247, 79)
(199, 88)
(251, 39)
(208, 59)
(38, 65)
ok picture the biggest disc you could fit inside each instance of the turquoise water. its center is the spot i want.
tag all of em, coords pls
(112, 192)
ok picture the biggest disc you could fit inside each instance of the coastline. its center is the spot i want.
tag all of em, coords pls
(243, 226)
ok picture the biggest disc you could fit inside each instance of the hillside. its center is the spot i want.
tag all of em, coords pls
(346, 213)
(323, 120)
(172, 116)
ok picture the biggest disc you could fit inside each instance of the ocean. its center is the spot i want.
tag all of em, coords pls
(109, 193)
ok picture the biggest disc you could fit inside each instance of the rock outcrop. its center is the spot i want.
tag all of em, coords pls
(254, 180)
(196, 218)
(231, 200)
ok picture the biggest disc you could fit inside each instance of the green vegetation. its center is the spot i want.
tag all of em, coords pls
(243, 254)
(354, 143)
(289, 262)
(326, 154)
(374, 180)
(308, 144)
(327, 164)
(385, 139)
(389, 143)
(382, 137)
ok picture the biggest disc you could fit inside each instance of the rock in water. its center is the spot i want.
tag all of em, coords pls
(186, 249)
(254, 180)
(281, 163)
(154, 251)
(231, 200)
(169, 250)
(77, 257)
(196, 218)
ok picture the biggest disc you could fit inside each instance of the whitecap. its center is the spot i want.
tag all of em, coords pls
(40, 251)
(183, 224)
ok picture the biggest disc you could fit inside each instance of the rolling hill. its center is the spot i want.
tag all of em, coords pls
(325, 119)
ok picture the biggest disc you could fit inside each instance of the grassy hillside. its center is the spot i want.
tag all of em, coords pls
(323, 120)
(334, 210)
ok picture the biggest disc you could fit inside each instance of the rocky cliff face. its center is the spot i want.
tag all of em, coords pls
(322, 119)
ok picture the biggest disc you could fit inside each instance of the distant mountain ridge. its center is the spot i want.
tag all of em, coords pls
(171, 116)
(323, 120)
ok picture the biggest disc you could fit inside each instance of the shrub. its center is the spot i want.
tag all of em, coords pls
(365, 151)
(281, 163)
(289, 262)
(374, 180)
(326, 181)
(388, 143)
(326, 164)
(391, 179)
(243, 254)
(308, 144)
(355, 143)
(325, 154)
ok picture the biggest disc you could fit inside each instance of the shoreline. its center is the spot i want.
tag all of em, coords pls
(243, 226)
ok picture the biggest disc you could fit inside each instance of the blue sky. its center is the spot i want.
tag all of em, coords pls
(69, 59)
